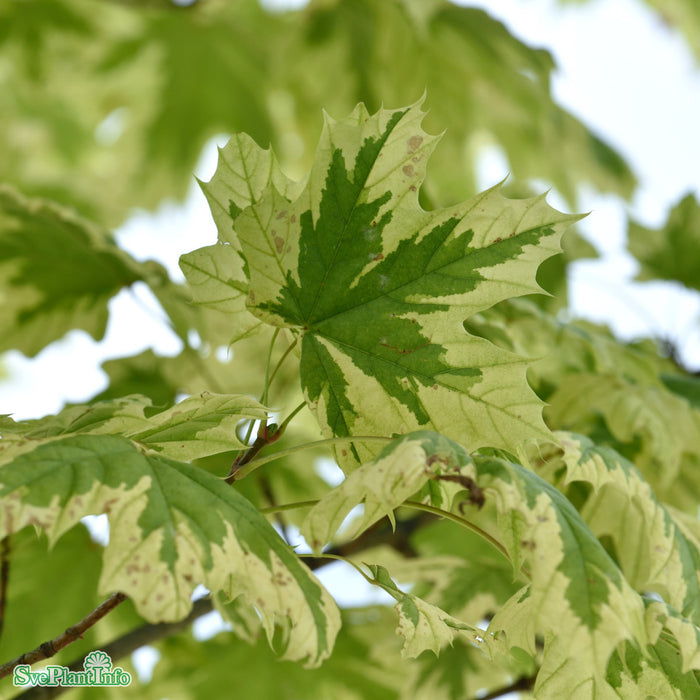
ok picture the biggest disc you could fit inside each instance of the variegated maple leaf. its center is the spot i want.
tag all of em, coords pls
(378, 288)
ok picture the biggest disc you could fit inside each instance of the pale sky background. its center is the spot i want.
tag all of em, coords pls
(633, 80)
(620, 70)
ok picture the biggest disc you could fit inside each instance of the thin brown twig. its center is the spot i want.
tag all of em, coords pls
(52, 647)
(525, 683)
(379, 533)
(267, 434)
(125, 645)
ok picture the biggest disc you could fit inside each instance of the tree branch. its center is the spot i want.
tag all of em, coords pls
(380, 533)
(48, 649)
(267, 434)
(525, 683)
(125, 645)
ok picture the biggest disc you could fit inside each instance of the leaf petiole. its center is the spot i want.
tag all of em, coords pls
(280, 362)
(288, 506)
(283, 425)
(416, 505)
(338, 557)
(255, 463)
(268, 379)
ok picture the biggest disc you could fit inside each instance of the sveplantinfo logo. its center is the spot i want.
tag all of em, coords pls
(98, 672)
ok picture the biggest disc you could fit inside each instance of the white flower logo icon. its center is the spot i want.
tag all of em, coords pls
(97, 659)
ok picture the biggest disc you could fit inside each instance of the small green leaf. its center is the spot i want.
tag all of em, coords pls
(196, 427)
(242, 176)
(57, 273)
(215, 273)
(426, 627)
(199, 426)
(669, 668)
(672, 252)
(216, 278)
(663, 621)
(172, 526)
(652, 549)
(382, 485)
(456, 569)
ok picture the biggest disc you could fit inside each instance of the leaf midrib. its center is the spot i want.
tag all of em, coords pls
(344, 231)
(434, 306)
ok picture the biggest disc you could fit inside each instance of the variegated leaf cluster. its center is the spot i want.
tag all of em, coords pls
(555, 552)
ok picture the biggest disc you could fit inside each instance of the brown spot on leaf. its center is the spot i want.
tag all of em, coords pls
(408, 170)
(279, 244)
(414, 142)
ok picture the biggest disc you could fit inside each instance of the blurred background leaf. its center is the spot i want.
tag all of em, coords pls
(107, 107)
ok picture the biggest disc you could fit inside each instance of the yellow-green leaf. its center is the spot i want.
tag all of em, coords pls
(383, 484)
(378, 288)
(196, 427)
(57, 273)
(652, 549)
(672, 252)
(172, 526)
(576, 598)
(426, 627)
